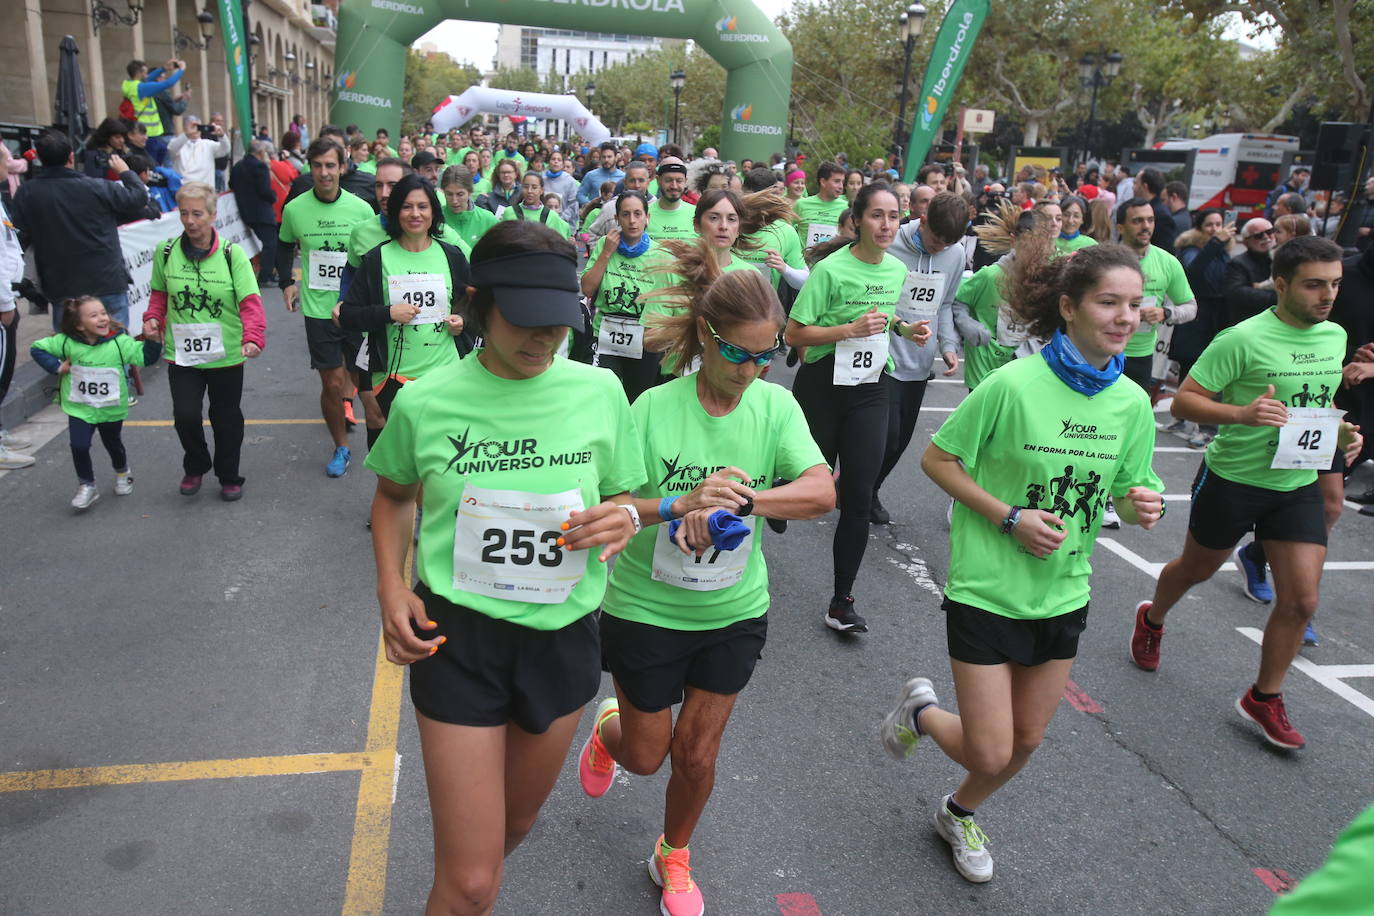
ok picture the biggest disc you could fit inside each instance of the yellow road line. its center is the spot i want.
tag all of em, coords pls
(246, 422)
(367, 861)
(130, 774)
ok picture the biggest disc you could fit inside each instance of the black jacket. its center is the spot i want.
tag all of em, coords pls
(1166, 230)
(353, 181)
(1354, 311)
(1242, 299)
(251, 181)
(364, 307)
(71, 222)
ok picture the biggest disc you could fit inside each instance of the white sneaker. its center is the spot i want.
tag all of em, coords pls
(897, 731)
(10, 440)
(967, 842)
(124, 483)
(11, 460)
(85, 495)
(1109, 517)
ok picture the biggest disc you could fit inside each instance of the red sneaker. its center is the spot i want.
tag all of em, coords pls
(1145, 640)
(1272, 718)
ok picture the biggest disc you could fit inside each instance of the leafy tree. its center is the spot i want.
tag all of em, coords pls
(522, 79)
(429, 80)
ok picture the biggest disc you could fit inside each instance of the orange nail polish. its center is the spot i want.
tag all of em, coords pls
(442, 640)
(563, 527)
(561, 542)
(433, 649)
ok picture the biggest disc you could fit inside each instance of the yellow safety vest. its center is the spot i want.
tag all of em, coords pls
(146, 109)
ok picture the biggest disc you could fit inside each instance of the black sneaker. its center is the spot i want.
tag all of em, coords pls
(778, 525)
(842, 617)
(793, 354)
(877, 514)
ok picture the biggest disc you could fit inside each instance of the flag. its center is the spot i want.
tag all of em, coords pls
(951, 51)
(236, 54)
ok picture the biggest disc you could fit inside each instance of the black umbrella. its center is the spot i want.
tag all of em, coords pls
(69, 109)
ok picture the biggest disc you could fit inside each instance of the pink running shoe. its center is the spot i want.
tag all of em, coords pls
(673, 873)
(595, 765)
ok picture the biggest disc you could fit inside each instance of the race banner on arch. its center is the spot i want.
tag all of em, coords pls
(457, 110)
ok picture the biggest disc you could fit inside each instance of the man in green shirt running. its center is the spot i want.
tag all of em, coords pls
(822, 211)
(1260, 472)
(1168, 297)
(321, 221)
(669, 217)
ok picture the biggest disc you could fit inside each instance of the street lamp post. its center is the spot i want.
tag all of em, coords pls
(910, 24)
(1096, 71)
(677, 79)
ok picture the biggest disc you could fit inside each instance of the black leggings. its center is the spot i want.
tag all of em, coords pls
(903, 408)
(9, 337)
(1139, 369)
(849, 425)
(225, 385)
(636, 375)
(82, 433)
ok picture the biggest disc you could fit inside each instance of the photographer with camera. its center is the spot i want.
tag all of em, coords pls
(111, 138)
(196, 148)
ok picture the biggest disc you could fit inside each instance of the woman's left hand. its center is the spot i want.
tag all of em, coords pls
(251, 350)
(694, 534)
(603, 525)
(1149, 506)
(775, 261)
(920, 332)
(455, 324)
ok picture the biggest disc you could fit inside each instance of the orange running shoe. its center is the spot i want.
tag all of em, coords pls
(595, 765)
(673, 873)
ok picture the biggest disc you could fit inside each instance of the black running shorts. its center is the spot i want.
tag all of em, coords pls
(979, 637)
(653, 665)
(330, 345)
(1224, 511)
(492, 672)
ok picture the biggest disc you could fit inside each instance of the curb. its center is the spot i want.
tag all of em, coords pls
(32, 390)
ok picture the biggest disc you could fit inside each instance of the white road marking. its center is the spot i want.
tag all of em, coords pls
(1152, 569)
(395, 779)
(1329, 676)
(916, 568)
(40, 429)
(1179, 450)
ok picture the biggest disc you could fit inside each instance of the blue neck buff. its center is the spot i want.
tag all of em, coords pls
(552, 174)
(633, 251)
(1069, 366)
(1069, 238)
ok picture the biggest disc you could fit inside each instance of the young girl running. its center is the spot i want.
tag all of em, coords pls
(89, 355)
(842, 318)
(1031, 456)
(685, 622)
(526, 462)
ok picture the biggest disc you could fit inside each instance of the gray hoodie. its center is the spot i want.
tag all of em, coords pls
(913, 363)
(565, 186)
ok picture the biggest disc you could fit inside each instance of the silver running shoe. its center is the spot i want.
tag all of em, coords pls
(124, 484)
(10, 460)
(897, 731)
(85, 495)
(967, 842)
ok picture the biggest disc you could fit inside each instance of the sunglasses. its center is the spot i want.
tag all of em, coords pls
(1261, 235)
(739, 355)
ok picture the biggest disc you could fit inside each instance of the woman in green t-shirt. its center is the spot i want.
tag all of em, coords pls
(406, 295)
(505, 188)
(458, 189)
(527, 461)
(685, 617)
(842, 317)
(1031, 457)
(1075, 225)
(531, 206)
(614, 282)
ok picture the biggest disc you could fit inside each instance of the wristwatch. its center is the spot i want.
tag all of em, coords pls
(634, 515)
(746, 509)
(1168, 315)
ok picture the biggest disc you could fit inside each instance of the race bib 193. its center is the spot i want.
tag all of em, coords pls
(426, 292)
(195, 344)
(505, 545)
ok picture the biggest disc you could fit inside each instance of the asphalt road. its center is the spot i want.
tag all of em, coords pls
(191, 718)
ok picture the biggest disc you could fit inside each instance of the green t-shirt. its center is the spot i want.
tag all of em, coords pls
(471, 224)
(322, 228)
(415, 350)
(1303, 365)
(368, 234)
(1064, 246)
(107, 358)
(204, 292)
(536, 215)
(1030, 440)
(981, 294)
(841, 288)
(671, 224)
(590, 218)
(461, 427)
(370, 166)
(812, 209)
(669, 364)
(1344, 885)
(1165, 282)
(480, 186)
(780, 237)
(518, 159)
(766, 436)
(625, 280)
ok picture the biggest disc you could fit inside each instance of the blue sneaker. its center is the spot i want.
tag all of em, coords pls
(338, 465)
(1256, 586)
(1309, 637)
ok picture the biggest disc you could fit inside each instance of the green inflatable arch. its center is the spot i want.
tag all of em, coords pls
(374, 35)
